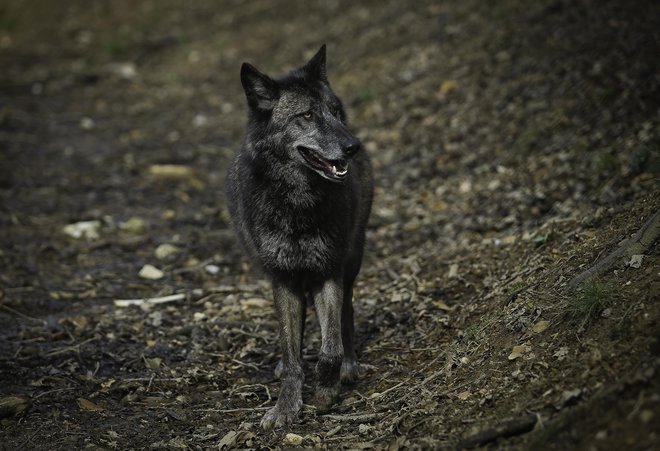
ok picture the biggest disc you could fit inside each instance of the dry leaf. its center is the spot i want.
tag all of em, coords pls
(518, 351)
(540, 326)
(153, 363)
(447, 86)
(89, 405)
(464, 395)
(13, 406)
(228, 440)
(442, 306)
(510, 239)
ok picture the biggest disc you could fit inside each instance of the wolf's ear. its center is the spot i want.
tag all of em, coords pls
(261, 90)
(315, 68)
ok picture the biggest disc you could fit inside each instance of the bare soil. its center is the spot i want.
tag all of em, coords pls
(514, 143)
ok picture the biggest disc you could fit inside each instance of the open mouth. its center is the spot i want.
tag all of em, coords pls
(330, 169)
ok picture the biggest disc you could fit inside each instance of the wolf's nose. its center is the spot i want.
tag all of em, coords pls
(352, 148)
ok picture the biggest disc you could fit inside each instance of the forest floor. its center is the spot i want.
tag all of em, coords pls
(514, 144)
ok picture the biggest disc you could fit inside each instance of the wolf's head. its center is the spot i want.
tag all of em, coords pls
(301, 118)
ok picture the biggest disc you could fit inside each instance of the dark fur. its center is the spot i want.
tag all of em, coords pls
(302, 219)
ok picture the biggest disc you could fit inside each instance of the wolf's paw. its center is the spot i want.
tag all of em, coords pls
(325, 397)
(278, 417)
(279, 369)
(350, 371)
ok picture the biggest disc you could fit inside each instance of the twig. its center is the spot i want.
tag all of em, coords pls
(249, 365)
(153, 301)
(361, 418)
(24, 444)
(67, 348)
(193, 268)
(240, 409)
(383, 393)
(52, 391)
(22, 315)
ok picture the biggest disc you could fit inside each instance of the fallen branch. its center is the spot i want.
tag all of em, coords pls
(641, 241)
(152, 301)
(359, 418)
(508, 428)
(23, 315)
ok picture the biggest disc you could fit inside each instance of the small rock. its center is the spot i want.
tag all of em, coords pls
(83, 229)
(126, 71)
(364, 428)
(156, 318)
(151, 272)
(212, 269)
(199, 316)
(569, 396)
(87, 123)
(636, 261)
(292, 439)
(134, 225)
(646, 415)
(199, 121)
(226, 108)
(561, 353)
(166, 250)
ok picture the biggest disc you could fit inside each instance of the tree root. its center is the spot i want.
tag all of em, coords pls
(641, 241)
(508, 428)
(526, 423)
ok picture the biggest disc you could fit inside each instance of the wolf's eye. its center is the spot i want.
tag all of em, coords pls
(307, 116)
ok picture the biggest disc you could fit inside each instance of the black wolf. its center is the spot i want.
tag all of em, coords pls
(299, 192)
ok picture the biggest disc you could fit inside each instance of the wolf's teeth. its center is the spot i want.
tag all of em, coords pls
(334, 170)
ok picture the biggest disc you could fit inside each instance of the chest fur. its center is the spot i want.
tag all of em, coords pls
(308, 237)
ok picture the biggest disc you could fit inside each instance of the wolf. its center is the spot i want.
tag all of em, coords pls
(299, 192)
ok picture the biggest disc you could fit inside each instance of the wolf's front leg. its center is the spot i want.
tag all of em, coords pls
(328, 302)
(349, 368)
(289, 305)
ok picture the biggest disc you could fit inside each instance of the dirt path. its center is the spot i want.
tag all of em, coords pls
(513, 144)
